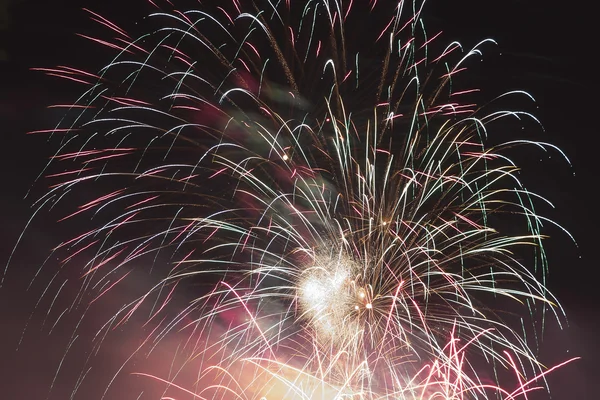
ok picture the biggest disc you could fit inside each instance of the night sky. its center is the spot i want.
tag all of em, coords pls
(546, 48)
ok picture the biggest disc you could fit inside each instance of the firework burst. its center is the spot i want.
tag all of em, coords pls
(319, 181)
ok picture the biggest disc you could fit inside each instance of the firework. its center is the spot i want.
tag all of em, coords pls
(318, 176)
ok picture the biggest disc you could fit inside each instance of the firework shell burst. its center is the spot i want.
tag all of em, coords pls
(316, 176)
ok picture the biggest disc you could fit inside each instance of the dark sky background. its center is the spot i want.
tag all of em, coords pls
(548, 48)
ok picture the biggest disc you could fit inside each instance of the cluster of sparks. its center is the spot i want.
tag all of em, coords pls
(309, 170)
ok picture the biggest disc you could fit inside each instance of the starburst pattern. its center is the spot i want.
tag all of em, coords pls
(315, 173)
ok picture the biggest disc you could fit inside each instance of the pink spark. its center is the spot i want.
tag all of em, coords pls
(465, 92)
(384, 29)
(101, 264)
(430, 40)
(76, 171)
(449, 74)
(110, 287)
(100, 19)
(253, 48)
(226, 15)
(139, 203)
(105, 43)
(79, 251)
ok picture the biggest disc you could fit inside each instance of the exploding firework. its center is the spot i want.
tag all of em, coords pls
(318, 177)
